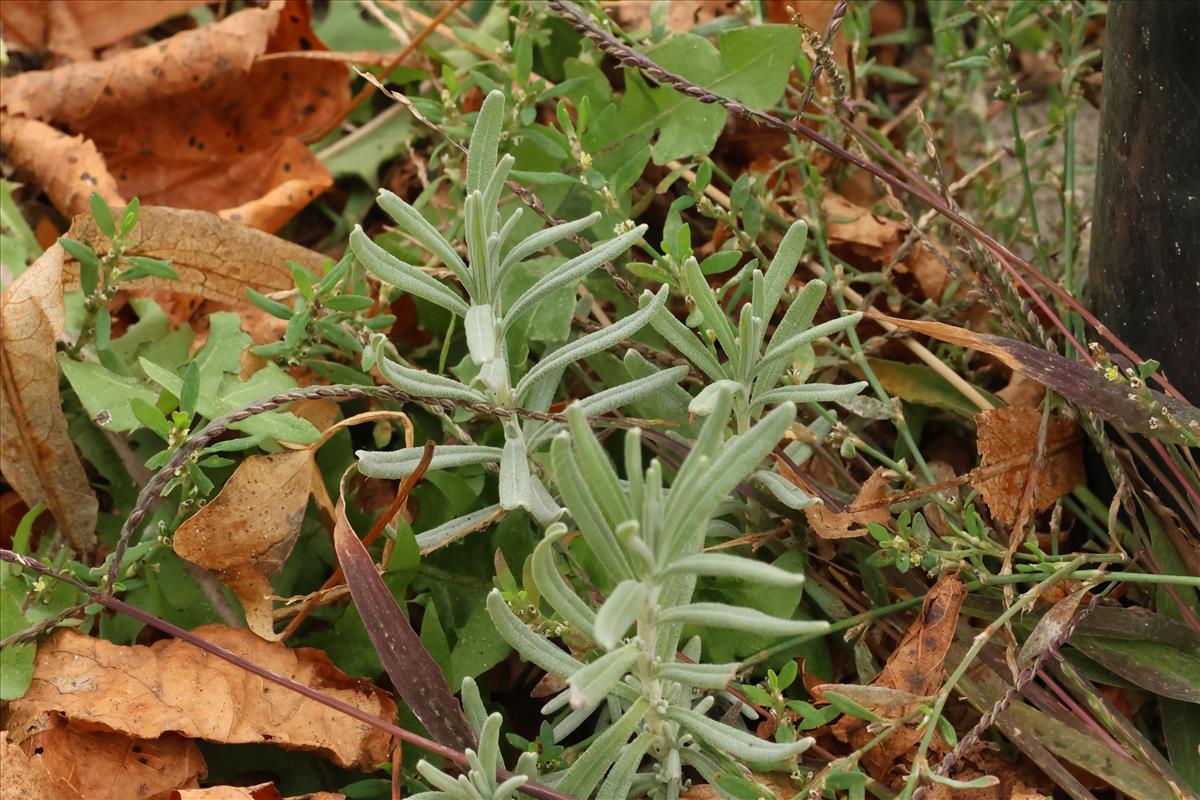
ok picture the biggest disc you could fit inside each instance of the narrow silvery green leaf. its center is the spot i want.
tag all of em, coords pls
(620, 778)
(596, 469)
(473, 705)
(530, 645)
(706, 402)
(392, 270)
(502, 237)
(727, 566)
(439, 780)
(544, 508)
(783, 265)
(618, 612)
(779, 353)
(591, 684)
(687, 511)
(455, 529)
(633, 467)
(413, 223)
(538, 242)
(591, 344)
(740, 618)
(397, 464)
(750, 330)
(554, 588)
(426, 384)
(573, 720)
(480, 327)
(485, 142)
(491, 194)
(701, 676)
(671, 403)
(476, 236)
(809, 393)
(493, 374)
(741, 745)
(515, 489)
(584, 506)
(585, 774)
(784, 490)
(571, 272)
(489, 745)
(624, 394)
(798, 316)
(710, 310)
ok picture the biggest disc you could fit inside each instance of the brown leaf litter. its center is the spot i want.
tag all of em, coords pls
(194, 121)
(853, 522)
(1010, 435)
(75, 29)
(172, 687)
(916, 666)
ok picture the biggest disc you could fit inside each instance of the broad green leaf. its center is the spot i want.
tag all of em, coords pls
(106, 395)
(16, 661)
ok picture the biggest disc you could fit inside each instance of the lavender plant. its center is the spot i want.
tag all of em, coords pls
(488, 321)
(648, 541)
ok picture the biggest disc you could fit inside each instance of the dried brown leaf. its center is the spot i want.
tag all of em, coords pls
(37, 456)
(75, 28)
(172, 686)
(853, 521)
(61, 762)
(916, 666)
(1009, 435)
(215, 259)
(68, 168)
(248, 530)
(261, 791)
(219, 129)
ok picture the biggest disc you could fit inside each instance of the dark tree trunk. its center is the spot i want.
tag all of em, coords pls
(1145, 264)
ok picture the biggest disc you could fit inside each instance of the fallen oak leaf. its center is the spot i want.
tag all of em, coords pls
(1010, 433)
(61, 762)
(37, 456)
(75, 28)
(245, 534)
(260, 791)
(226, 132)
(172, 686)
(215, 259)
(916, 667)
(68, 168)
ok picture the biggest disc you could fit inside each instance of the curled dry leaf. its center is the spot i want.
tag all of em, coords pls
(68, 168)
(215, 259)
(37, 456)
(172, 686)
(1009, 436)
(248, 530)
(867, 507)
(261, 791)
(220, 131)
(916, 666)
(75, 28)
(61, 762)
